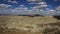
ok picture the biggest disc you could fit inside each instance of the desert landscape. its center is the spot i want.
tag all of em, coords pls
(29, 25)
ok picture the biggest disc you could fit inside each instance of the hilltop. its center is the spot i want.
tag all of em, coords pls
(25, 23)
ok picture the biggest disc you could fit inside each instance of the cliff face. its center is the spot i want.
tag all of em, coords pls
(28, 24)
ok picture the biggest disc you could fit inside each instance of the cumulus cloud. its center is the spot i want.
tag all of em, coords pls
(33, 0)
(42, 3)
(18, 10)
(50, 12)
(21, 10)
(4, 6)
(5, 9)
(38, 2)
(14, 1)
(40, 6)
(33, 3)
(22, 7)
(58, 10)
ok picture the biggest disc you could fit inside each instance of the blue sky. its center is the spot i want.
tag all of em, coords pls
(26, 7)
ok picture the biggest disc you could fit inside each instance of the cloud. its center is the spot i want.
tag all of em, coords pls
(33, 3)
(34, 0)
(40, 8)
(14, 1)
(4, 6)
(22, 5)
(42, 3)
(22, 8)
(18, 10)
(5, 9)
(58, 10)
(38, 2)
(50, 12)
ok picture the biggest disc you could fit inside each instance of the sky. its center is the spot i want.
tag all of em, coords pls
(30, 7)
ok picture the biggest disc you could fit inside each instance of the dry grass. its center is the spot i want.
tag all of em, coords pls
(27, 24)
(21, 33)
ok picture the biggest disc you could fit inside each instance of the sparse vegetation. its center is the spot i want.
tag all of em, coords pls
(29, 24)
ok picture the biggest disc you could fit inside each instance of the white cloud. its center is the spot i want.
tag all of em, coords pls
(42, 3)
(31, 0)
(34, 0)
(19, 10)
(22, 7)
(4, 6)
(36, 7)
(58, 8)
(51, 12)
(38, 2)
(23, 10)
(40, 7)
(5, 9)
(33, 3)
(14, 1)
